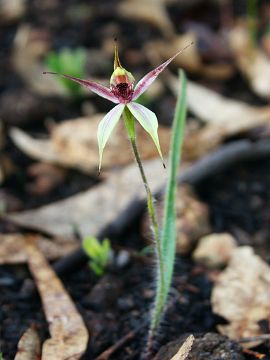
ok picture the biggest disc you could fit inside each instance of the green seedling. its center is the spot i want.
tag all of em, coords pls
(124, 93)
(252, 18)
(70, 61)
(99, 254)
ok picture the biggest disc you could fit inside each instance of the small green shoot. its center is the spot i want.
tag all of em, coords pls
(98, 252)
(71, 62)
(252, 19)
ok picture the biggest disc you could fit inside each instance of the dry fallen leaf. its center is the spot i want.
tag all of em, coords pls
(222, 118)
(241, 295)
(184, 350)
(208, 346)
(190, 59)
(11, 11)
(231, 116)
(12, 247)
(73, 143)
(91, 210)
(69, 336)
(151, 11)
(252, 61)
(29, 45)
(29, 346)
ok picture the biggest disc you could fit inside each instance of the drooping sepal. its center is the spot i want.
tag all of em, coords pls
(106, 127)
(148, 121)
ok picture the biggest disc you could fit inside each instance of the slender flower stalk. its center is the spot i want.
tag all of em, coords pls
(123, 92)
(130, 126)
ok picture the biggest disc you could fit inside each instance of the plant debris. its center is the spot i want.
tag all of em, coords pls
(241, 295)
(29, 346)
(73, 143)
(12, 247)
(84, 210)
(69, 336)
(184, 350)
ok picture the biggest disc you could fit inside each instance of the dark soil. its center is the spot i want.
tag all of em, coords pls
(120, 301)
(239, 201)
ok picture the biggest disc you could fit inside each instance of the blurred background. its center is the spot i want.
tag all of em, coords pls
(49, 155)
(229, 55)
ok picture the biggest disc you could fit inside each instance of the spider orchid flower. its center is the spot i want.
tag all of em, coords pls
(123, 93)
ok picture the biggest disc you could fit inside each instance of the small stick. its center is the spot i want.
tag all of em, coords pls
(112, 349)
(253, 353)
(218, 160)
(264, 337)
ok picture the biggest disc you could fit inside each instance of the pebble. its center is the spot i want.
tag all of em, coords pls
(215, 250)
(122, 259)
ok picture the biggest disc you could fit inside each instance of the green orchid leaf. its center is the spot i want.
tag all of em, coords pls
(168, 241)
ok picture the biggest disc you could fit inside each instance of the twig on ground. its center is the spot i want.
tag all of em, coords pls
(265, 337)
(256, 354)
(227, 155)
(112, 349)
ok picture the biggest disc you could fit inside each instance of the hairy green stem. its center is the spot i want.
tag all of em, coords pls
(160, 291)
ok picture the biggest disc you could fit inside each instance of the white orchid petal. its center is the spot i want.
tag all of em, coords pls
(147, 80)
(148, 121)
(106, 127)
(97, 88)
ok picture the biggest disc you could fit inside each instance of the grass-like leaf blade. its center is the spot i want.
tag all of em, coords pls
(168, 241)
(168, 236)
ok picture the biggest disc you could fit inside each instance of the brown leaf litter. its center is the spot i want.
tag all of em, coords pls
(69, 336)
(251, 60)
(95, 208)
(184, 350)
(190, 59)
(28, 47)
(241, 295)
(73, 143)
(12, 247)
(153, 12)
(29, 346)
(221, 117)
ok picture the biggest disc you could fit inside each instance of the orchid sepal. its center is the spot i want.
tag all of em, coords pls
(97, 88)
(148, 121)
(106, 127)
(150, 77)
